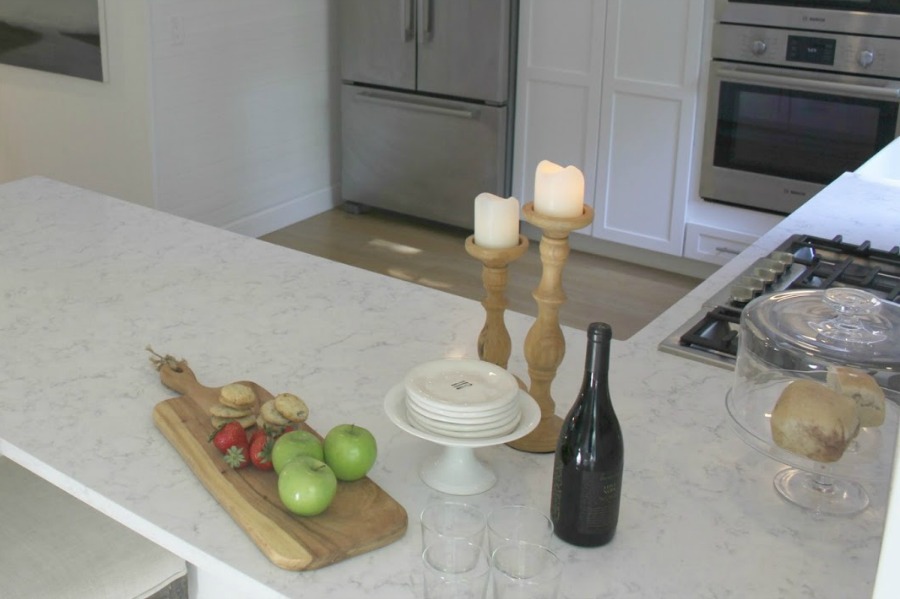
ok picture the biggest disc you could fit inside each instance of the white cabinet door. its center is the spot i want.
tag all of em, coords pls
(560, 70)
(648, 111)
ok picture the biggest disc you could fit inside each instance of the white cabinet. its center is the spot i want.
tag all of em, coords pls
(648, 111)
(560, 71)
(710, 244)
(611, 86)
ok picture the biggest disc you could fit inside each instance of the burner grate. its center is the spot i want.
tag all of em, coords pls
(833, 263)
(819, 263)
(717, 331)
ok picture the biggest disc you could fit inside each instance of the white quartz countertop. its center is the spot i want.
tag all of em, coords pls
(87, 281)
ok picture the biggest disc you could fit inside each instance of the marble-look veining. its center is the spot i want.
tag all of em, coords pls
(87, 281)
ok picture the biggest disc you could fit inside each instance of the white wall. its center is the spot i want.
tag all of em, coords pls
(91, 134)
(222, 111)
(245, 110)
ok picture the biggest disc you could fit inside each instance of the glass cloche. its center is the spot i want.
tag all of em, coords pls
(817, 386)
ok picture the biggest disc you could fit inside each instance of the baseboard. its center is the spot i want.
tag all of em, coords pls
(288, 213)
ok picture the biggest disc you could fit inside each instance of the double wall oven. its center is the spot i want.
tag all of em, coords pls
(800, 91)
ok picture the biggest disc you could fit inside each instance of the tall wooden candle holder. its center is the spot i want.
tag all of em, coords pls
(544, 343)
(494, 344)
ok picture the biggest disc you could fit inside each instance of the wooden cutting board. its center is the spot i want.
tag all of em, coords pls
(361, 518)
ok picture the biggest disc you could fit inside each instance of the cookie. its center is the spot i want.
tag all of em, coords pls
(271, 415)
(291, 407)
(223, 411)
(246, 421)
(237, 396)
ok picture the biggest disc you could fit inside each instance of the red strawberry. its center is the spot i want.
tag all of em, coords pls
(236, 456)
(261, 451)
(229, 435)
(257, 433)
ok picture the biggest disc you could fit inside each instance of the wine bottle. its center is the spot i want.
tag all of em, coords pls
(587, 472)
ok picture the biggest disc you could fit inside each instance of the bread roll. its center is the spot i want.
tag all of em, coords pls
(814, 421)
(861, 388)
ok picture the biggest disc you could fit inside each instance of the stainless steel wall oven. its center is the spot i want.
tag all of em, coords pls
(797, 96)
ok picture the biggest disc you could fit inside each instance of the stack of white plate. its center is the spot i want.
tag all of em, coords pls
(462, 398)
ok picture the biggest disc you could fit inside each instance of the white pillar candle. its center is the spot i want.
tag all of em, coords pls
(558, 191)
(496, 221)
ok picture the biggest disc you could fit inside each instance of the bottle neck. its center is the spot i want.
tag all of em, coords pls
(598, 346)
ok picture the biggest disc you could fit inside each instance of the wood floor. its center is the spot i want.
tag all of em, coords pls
(625, 295)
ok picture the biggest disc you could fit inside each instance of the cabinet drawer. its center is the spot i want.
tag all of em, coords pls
(717, 246)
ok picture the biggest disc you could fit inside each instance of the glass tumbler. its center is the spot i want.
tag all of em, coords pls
(525, 571)
(455, 569)
(450, 519)
(511, 523)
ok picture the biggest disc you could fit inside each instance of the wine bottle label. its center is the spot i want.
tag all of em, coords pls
(598, 503)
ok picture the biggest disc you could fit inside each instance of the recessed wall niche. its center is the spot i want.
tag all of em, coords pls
(58, 36)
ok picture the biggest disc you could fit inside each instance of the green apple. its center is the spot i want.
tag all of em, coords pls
(306, 486)
(293, 444)
(350, 450)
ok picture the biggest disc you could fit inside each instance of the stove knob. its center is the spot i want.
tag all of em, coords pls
(758, 47)
(866, 58)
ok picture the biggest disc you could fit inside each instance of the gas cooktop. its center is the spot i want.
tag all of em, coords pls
(800, 262)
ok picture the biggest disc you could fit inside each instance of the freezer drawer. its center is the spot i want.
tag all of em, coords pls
(420, 156)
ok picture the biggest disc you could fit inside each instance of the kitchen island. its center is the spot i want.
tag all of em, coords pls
(88, 281)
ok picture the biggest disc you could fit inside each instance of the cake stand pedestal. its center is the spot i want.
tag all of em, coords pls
(455, 469)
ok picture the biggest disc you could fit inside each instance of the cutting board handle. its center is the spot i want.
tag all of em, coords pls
(182, 381)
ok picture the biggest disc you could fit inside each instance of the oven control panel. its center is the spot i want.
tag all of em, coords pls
(879, 57)
(811, 50)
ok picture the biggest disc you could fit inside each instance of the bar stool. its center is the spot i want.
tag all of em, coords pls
(53, 545)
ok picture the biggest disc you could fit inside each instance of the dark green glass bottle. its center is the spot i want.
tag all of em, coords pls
(587, 473)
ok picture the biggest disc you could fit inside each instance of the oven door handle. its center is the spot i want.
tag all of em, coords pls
(888, 91)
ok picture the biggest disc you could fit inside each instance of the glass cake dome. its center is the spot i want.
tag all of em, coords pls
(817, 386)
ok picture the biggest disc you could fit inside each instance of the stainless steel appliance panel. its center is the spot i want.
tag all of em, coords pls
(861, 17)
(421, 156)
(464, 48)
(777, 137)
(791, 109)
(378, 42)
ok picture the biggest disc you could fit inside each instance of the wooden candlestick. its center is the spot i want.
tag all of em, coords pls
(544, 343)
(494, 344)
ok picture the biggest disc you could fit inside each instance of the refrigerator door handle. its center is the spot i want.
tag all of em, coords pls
(408, 14)
(416, 104)
(427, 20)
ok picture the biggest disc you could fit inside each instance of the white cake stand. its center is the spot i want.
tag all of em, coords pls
(456, 469)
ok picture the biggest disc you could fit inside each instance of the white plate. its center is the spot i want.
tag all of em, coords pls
(468, 386)
(395, 407)
(464, 431)
(505, 414)
(456, 414)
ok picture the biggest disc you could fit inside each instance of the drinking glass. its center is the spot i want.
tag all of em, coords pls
(450, 519)
(518, 523)
(525, 571)
(455, 569)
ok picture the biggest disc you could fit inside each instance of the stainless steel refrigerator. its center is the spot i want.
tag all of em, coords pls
(427, 104)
